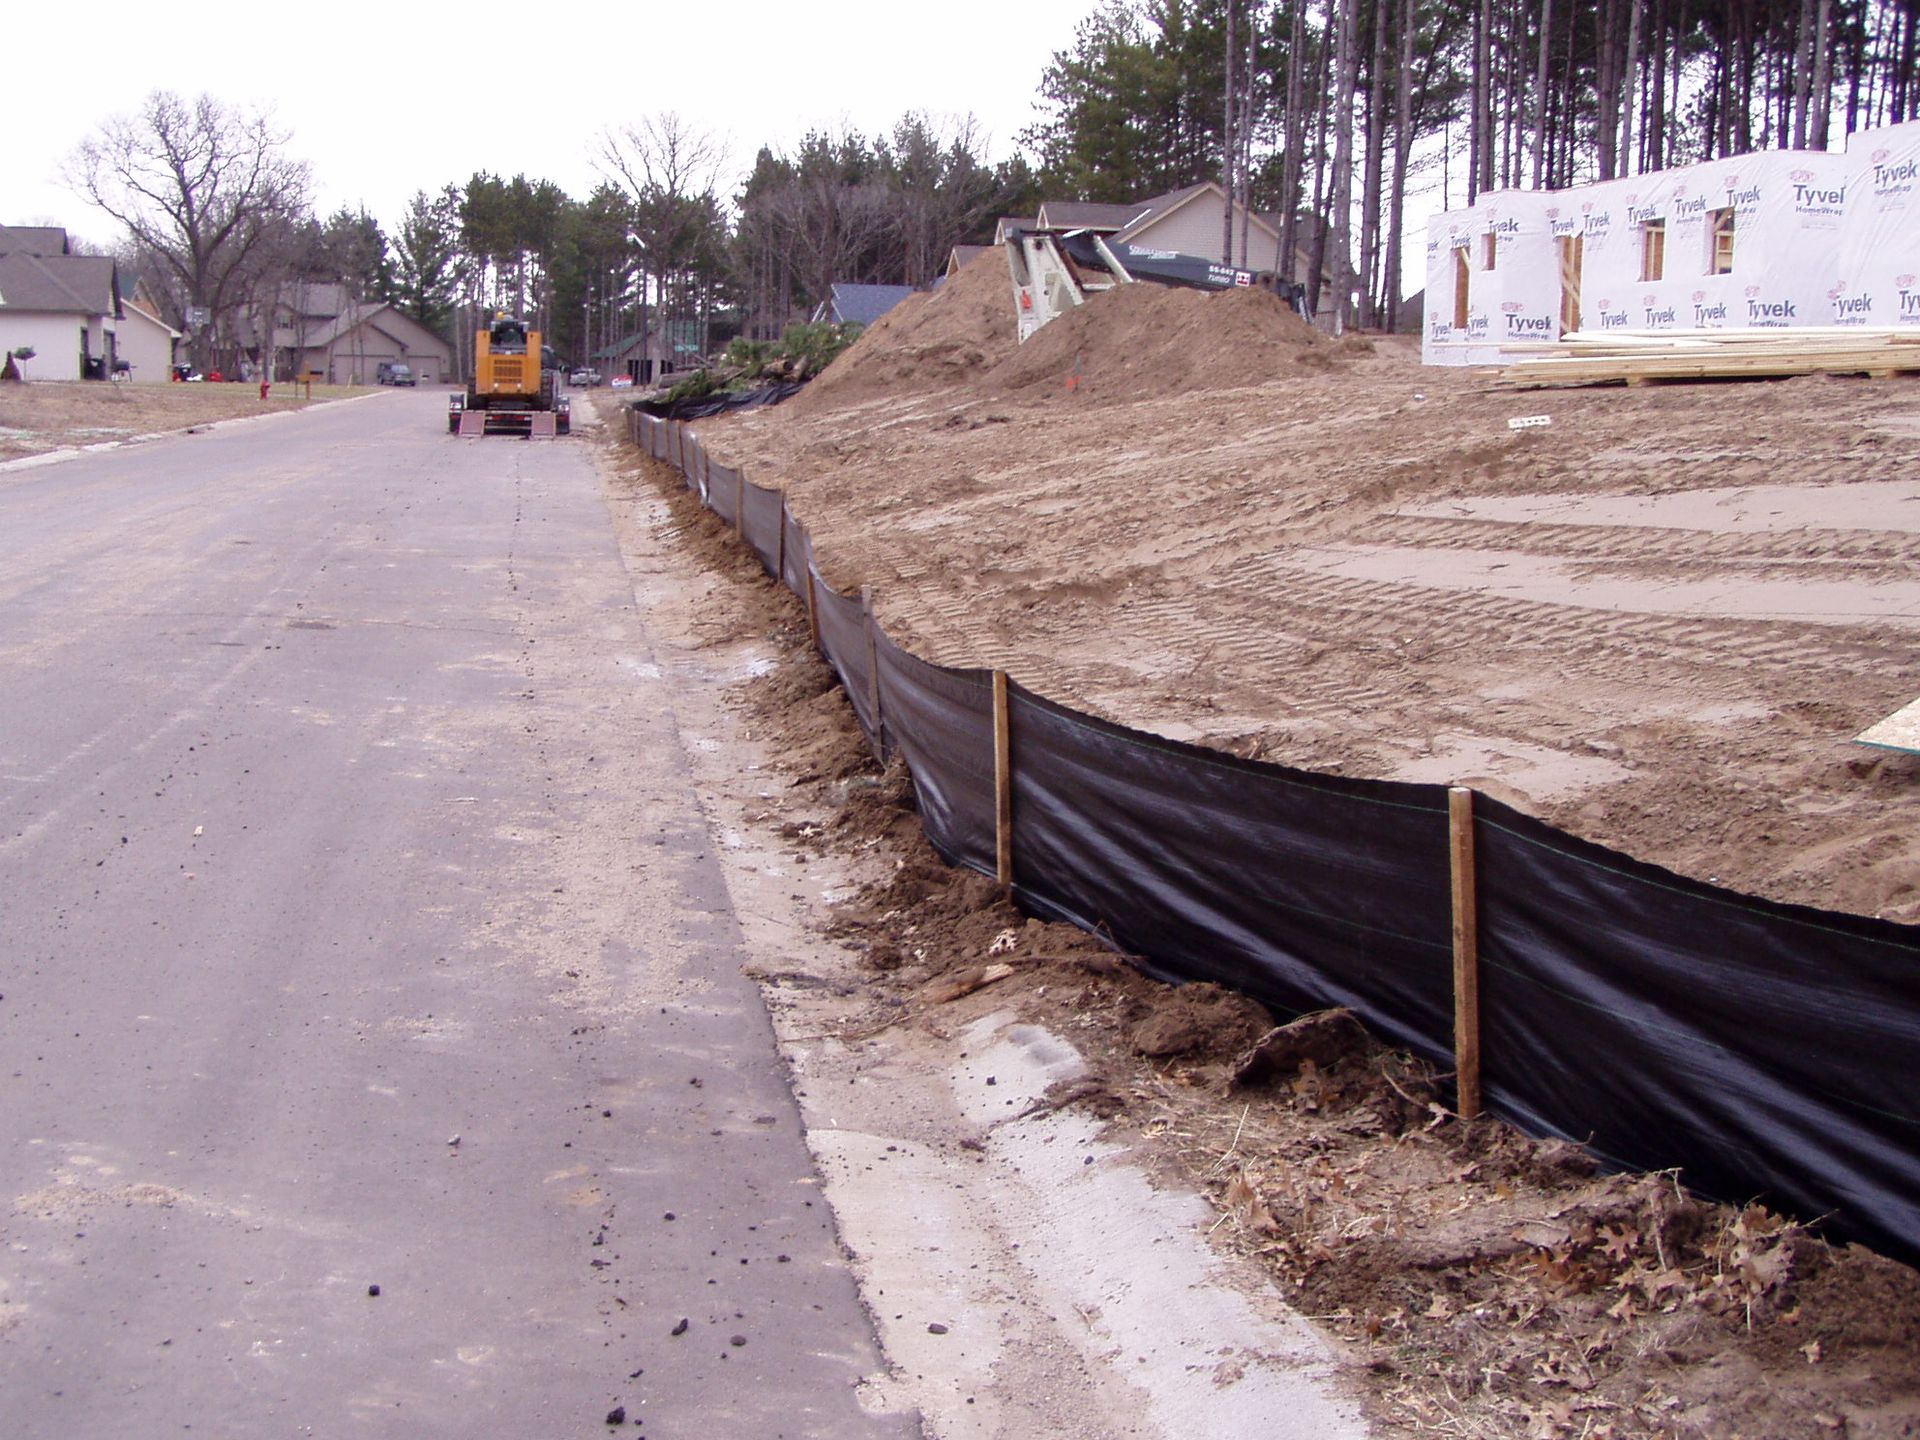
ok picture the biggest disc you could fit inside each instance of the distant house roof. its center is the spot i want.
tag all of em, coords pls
(1089, 215)
(59, 284)
(960, 256)
(672, 340)
(378, 316)
(860, 304)
(34, 239)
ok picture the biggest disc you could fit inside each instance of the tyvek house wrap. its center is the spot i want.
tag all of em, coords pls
(1875, 280)
(1818, 239)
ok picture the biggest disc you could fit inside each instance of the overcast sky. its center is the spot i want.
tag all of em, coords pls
(384, 100)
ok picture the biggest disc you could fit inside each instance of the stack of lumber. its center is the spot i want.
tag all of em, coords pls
(1586, 357)
(1899, 731)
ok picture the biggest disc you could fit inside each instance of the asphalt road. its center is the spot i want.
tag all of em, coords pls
(358, 928)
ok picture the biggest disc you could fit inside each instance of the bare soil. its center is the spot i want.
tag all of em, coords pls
(1656, 621)
(47, 415)
(1485, 1284)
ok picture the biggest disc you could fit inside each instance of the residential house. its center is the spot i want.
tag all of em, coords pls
(64, 307)
(323, 331)
(1188, 221)
(349, 348)
(848, 304)
(666, 348)
(959, 258)
(146, 344)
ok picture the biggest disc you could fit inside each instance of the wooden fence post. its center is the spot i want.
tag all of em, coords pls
(740, 503)
(1466, 954)
(780, 546)
(813, 611)
(1002, 783)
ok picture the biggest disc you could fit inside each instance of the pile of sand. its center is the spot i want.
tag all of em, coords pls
(928, 341)
(1147, 341)
(1133, 342)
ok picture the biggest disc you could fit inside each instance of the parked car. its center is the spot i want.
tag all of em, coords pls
(394, 373)
(585, 375)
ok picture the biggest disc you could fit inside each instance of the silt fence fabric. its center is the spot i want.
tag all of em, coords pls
(941, 722)
(761, 523)
(1769, 1051)
(1766, 1048)
(1302, 890)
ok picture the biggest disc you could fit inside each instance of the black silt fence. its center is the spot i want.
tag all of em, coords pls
(1768, 1051)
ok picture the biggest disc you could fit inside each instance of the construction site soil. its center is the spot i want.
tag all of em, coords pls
(1479, 1283)
(1655, 620)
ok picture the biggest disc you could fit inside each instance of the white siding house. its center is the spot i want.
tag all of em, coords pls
(145, 344)
(63, 307)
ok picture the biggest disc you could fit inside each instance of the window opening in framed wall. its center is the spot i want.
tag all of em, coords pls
(1653, 250)
(1720, 241)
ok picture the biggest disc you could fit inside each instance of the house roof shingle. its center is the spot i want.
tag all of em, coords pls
(1089, 215)
(34, 239)
(864, 304)
(58, 284)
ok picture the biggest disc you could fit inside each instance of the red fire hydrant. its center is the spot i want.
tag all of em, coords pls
(265, 385)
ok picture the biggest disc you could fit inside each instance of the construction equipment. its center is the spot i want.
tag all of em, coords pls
(1055, 270)
(515, 387)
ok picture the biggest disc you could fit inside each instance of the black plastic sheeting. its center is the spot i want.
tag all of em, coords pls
(797, 559)
(764, 514)
(941, 720)
(1765, 1050)
(723, 490)
(721, 403)
(1302, 890)
(843, 636)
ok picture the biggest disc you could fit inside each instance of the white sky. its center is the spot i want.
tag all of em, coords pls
(384, 100)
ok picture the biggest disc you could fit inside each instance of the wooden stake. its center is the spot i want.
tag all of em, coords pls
(1002, 782)
(813, 611)
(1466, 954)
(740, 503)
(780, 546)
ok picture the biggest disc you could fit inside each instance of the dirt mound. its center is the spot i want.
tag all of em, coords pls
(1145, 341)
(1133, 342)
(927, 341)
(1199, 1021)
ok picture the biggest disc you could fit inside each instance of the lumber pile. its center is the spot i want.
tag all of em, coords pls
(1640, 357)
(1899, 731)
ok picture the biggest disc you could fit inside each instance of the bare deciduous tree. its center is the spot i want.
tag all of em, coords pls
(200, 187)
(671, 170)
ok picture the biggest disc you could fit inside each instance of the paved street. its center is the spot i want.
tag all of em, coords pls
(358, 928)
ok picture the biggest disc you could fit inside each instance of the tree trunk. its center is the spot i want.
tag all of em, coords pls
(1402, 154)
(1317, 259)
(1375, 166)
(1246, 140)
(1293, 158)
(1630, 86)
(1343, 165)
(1540, 97)
(1229, 152)
(1822, 85)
